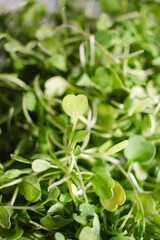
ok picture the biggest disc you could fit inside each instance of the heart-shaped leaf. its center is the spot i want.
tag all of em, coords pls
(75, 106)
(118, 198)
(86, 210)
(53, 194)
(103, 185)
(87, 233)
(139, 150)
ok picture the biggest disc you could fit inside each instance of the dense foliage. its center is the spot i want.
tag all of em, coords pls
(79, 121)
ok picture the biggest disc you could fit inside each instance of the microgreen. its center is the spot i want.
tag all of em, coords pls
(75, 106)
(79, 121)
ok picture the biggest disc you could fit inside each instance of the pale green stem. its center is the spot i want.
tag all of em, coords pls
(80, 179)
(116, 162)
(71, 136)
(14, 195)
(11, 183)
(127, 217)
(55, 184)
(26, 114)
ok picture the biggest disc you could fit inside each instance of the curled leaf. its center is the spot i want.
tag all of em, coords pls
(118, 198)
(103, 185)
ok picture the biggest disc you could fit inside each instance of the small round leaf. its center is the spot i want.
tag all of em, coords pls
(139, 150)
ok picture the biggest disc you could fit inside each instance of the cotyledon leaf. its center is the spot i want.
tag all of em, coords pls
(118, 198)
(75, 106)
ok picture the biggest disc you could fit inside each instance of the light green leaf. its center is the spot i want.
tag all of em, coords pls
(118, 198)
(47, 222)
(79, 136)
(102, 169)
(40, 165)
(139, 106)
(55, 86)
(85, 81)
(87, 233)
(102, 79)
(77, 151)
(96, 227)
(138, 214)
(4, 218)
(140, 172)
(117, 82)
(30, 188)
(54, 222)
(139, 150)
(103, 22)
(117, 148)
(31, 101)
(59, 236)
(56, 208)
(148, 204)
(13, 173)
(103, 186)
(53, 194)
(44, 31)
(19, 159)
(75, 106)
(59, 62)
(86, 211)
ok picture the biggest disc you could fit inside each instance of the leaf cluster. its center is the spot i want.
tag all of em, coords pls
(79, 121)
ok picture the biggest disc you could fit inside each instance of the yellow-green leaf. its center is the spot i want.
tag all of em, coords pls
(118, 198)
(75, 106)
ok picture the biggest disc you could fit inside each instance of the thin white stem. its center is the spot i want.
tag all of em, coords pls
(92, 50)
(80, 179)
(11, 183)
(14, 195)
(55, 184)
(82, 55)
(127, 217)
